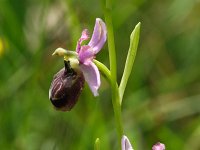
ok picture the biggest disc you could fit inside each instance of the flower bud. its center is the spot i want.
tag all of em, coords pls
(66, 87)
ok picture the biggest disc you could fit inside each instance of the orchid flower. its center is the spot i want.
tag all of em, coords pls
(67, 84)
(126, 145)
(86, 54)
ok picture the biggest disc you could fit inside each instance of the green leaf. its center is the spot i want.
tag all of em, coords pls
(134, 40)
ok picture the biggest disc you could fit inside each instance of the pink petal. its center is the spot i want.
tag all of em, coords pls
(158, 146)
(126, 145)
(84, 36)
(86, 54)
(99, 36)
(92, 76)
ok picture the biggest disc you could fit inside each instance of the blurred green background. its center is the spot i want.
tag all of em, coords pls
(162, 98)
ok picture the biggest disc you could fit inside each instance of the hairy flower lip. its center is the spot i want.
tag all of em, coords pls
(66, 87)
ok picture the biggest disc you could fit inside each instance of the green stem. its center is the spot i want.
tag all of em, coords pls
(113, 70)
(111, 44)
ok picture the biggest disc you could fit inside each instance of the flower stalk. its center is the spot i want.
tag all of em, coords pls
(118, 92)
(113, 70)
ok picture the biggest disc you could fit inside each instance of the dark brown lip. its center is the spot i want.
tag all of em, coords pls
(66, 88)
